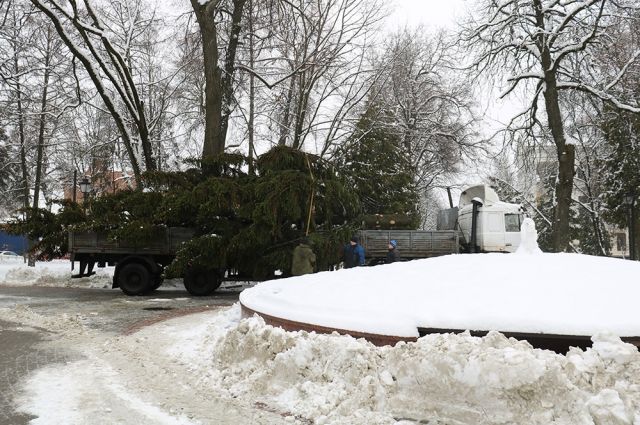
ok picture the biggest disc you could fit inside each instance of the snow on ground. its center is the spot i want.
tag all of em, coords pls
(214, 368)
(15, 272)
(51, 273)
(569, 294)
(178, 372)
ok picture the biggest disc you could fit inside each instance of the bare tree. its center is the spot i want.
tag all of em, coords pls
(317, 69)
(35, 70)
(82, 30)
(426, 103)
(543, 46)
(15, 41)
(36, 75)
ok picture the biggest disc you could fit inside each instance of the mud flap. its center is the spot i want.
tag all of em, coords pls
(114, 283)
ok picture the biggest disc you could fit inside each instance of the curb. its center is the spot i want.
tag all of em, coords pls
(292, 326)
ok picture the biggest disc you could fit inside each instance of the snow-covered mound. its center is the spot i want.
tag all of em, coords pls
(570, 294)
(442, 378)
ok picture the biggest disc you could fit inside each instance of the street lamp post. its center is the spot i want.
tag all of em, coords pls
(629, 200)
(85, 188)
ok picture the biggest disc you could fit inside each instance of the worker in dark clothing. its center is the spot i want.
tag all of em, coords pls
(304, 260)
(394, 254)
(353, 253)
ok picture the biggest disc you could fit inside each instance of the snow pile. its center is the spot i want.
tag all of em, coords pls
(565, 294)
(442, 378)
(52, 273)
(528, 238)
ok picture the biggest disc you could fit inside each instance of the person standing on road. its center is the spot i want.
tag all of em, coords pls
(304, 260)
(353, 253)
(87, 264)
(394, 254)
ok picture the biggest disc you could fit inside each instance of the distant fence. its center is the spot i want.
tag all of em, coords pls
(17, 244)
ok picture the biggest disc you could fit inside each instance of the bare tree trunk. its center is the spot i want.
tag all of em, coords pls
(564, 188)
(21, 119)
(286, 116)
(212, 93)
(42, 124)
(301, 109)
(41, 135)
(252, 92)
(218, 89)
(229, 72)
(566, 153)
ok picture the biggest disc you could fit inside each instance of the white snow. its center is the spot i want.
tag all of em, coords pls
(85, 390)
(331, 379)
(51, 273)
(570, 294)
(214, 365)
(528, 238)
(58, 273)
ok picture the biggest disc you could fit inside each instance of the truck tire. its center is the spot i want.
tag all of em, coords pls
(134, 279)
(157, 282)
(199, 281)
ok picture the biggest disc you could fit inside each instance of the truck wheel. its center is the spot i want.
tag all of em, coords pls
(134, 279)
(199, 281)
(157, 282)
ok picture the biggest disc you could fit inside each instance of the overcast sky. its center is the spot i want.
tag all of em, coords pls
(434, 14)
(431, 13)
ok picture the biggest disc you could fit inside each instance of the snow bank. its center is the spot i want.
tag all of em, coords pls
(220, 360)
(445, 378)
(51, 273)
(58, 273)
(550, 293)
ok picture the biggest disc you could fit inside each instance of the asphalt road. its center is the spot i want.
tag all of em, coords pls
(24, 349)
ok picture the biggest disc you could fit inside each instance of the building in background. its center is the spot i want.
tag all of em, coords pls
(102, 182)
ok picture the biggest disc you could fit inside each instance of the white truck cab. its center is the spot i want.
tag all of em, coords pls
(497, 227)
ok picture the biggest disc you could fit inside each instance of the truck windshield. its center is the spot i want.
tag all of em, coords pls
(512, 222)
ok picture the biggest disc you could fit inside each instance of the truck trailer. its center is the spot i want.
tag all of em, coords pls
(480, 223)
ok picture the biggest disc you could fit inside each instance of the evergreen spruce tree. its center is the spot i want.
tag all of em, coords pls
(49, 231)
(379, 169)
(505, 191)
(622, 168)
(249, 223)
(589, 232)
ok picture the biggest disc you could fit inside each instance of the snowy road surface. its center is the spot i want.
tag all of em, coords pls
(71, 355)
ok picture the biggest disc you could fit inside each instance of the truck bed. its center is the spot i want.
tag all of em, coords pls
(411, 243)
(166, 243)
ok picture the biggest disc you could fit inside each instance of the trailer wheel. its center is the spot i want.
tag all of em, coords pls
(199, 281)
(134, 279)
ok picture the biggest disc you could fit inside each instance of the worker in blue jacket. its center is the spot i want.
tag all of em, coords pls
(394, 254)
(353, 253)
